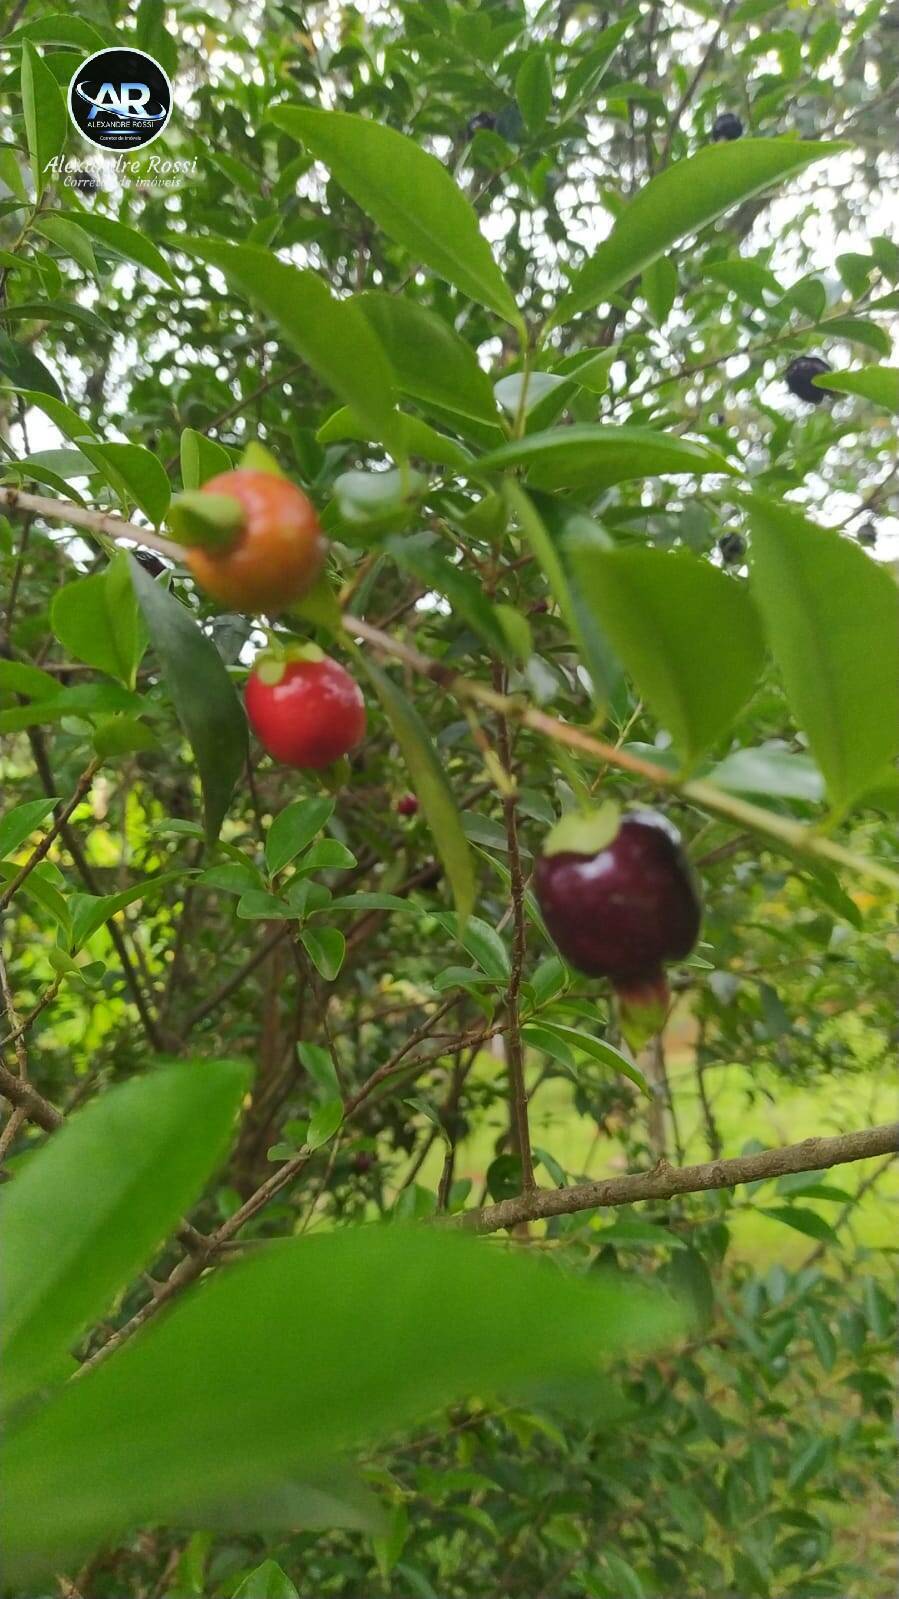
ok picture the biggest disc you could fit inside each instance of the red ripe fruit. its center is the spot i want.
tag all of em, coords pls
(407, 805)
(620, 900)
(310, 715)
(278, 552)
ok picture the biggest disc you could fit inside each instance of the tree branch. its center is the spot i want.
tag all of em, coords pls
(664, 1181)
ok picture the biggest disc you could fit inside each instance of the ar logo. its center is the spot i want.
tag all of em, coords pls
(120, 99)
(129, 100)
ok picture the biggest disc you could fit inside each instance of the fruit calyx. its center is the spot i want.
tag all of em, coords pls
(643, 1004)
(584, 832)
(271, 663)
(208, 521)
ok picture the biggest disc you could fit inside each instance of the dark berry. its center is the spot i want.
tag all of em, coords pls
(799, 376)
(306, 712)
(726, 126)
(407, 805)
(620, 900)
(733, 548)
(867, 535)
(481, 119)
(150, 563)
(363, 1162)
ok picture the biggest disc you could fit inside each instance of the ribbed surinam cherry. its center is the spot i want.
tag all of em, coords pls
(799, 376)
(277, 548)
(407, 805)
(620, 899)
(305, 709)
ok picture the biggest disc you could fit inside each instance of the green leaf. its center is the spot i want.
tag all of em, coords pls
(419, 438)
(421, 555)
(25, 370)
(326, 948)
(70, 1245)
(136, 475)
(20, 677)
(324, 1123)
(409, 194)
(671, 617)
(591, 455)
(680, 201)
(69, 238)
(11, 174)
(60, 28)
(430, 361)
(832, 617)
(482, 943)
(332, 335)
(405, 1321)
(19, 824)
(859, 330)
(293, 829)
(268, 1581)
(769, 771)
(808, 1462)
(638, 1234)
(89, 912)
(804, 1221)
(659, 287)
(553, 530)
(533, 89)
(37, 887)
(429, 783)
(120, 240)
(201, 692)
(599, 1050)
(98, 620)
(201, 459)
(257, 905)
(586, 75)
(877, 383)
(46, 123)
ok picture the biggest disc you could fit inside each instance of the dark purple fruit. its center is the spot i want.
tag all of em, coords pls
(799, 375)
(481, 119)
(867, 535)
(733, 548)
(726, 126)
(620, 900)
(407, 805)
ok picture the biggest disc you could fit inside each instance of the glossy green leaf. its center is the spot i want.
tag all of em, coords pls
(59, 28)
(90, 912)
(482, 943)
(859, 330)
(98, 621)
(331, 335)
(422, 556)
(136, 475)
(429, 783)
(46, 123)
(659, 287)
(202, 693)
(70, 239)
(201, 459)
(594, 456)
(326, 948)
(11, 175)
(120, 240)
(24, 370)
(533, 89)
(772, 771)
(268, 1581)
(429, 360)
(405, 1321)
(803, 1220)
(680, 201)
(586, 75)
(670, 618)
(879, 384)
(598, 1050)
(832, 618)
(419, 438)
(293, 829)
(19, 823)
(69, 1245)
(409, 194)
(324, 1122)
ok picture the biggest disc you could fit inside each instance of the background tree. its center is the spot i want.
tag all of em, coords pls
(520, 327)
